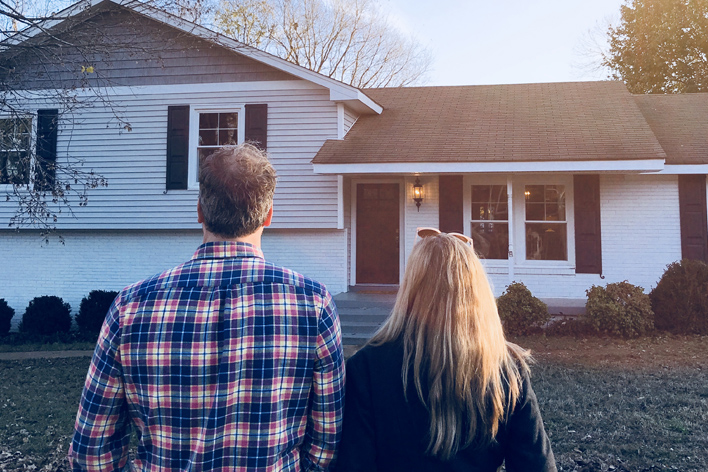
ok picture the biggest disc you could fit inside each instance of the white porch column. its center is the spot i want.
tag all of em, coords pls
(510, 214)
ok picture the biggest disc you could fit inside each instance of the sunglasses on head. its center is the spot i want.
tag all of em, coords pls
(426, 232)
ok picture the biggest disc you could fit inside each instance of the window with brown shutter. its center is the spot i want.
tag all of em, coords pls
(694, 228)
(177, 147)
(588, 236)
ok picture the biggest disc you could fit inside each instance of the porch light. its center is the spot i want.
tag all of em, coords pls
(417, 193)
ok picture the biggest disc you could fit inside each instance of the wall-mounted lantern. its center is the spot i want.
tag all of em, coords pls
(417, 193)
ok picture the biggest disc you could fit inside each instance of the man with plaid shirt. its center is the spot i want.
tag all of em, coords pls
(226, 362)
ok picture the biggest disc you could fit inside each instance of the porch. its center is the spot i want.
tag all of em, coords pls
(361, 313)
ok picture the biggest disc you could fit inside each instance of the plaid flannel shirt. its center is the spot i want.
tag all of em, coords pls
(226, 362)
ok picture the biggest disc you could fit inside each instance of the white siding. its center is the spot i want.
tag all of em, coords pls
(300, 119)
(350, 118)
(111, 260)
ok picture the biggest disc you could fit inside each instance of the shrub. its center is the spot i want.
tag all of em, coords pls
(680, 299)
(93, 309)
(6, 314)
(619, 309)
(46, 315)
(520, 312)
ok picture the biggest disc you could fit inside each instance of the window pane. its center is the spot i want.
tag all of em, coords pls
(228, 120)
(208, 120)
(16, 168)
(535, 212)
(491, 240)
(545, 202)
(3, 173)
(534, 193)
(489, 202)
(546, 242)
(227, 136)
(207, 137)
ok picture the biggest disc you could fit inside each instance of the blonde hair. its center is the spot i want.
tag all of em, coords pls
(446, 315)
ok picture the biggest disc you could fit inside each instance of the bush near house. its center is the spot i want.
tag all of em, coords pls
(93, 309)
(680, 299)
(619, 309)
(46, 315)
(521, 313)
(6, 314)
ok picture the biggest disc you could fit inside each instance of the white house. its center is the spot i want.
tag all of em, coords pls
(562, 186)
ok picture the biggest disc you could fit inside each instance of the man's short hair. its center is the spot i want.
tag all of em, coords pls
(236, 186)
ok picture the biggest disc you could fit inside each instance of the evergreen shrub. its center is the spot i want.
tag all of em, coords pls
(6, 314)
(619, 309)
(680, 299)
(93, 309)
(521, 313)
(46, 315)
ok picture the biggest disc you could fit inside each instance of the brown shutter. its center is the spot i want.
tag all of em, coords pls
(694, 228)
(588, 237)
(451, 213)
(177, 147)
(257, 125)
(47, 121)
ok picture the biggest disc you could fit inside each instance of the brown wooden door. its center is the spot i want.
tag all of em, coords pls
(694, 228)
(377, 233)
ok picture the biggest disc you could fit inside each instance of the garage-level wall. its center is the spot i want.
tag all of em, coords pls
(111, 260)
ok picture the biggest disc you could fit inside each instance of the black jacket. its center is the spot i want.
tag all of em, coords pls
(383, 432)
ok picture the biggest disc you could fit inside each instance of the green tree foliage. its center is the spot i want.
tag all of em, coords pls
(660, 46)
(348, 40)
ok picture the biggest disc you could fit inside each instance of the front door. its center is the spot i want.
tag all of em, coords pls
(377, 233)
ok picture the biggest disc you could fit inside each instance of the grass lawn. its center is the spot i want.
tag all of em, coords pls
(608, 405)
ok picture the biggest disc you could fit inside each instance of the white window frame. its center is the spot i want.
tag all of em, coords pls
(488, 179)
(194, 112)
(517, 221)
(32, 115)
(520, 183)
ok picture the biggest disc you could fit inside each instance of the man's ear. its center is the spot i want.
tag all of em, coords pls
(269, 218)
(200, 216)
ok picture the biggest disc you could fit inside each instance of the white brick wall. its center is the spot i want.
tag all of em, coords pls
(429, 209)
(111, 260)
(641, 230)
(320, 254)
(640, 236)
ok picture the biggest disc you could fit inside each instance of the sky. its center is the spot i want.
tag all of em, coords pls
(477, 42)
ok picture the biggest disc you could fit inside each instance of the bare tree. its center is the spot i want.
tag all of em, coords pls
(348, 40)
(52, 56)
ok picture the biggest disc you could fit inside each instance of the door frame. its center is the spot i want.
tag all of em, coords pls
(401, 222)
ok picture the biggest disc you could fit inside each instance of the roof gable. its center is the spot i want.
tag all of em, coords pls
(124, 48)
(338, 91)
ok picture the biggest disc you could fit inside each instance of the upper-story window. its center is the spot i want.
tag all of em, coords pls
(490, 221)
(546, 225)
(216, 130)
(15, 149)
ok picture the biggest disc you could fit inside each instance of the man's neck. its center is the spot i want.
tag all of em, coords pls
(253, 238)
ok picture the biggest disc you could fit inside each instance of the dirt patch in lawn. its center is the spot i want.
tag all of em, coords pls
(658, 352)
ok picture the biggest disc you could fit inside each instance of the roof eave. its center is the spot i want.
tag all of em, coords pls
(650, 165)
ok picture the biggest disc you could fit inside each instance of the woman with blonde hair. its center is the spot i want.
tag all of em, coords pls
(438, 387)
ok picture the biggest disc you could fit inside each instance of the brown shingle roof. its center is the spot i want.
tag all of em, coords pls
(680, 122)
(573, 121)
